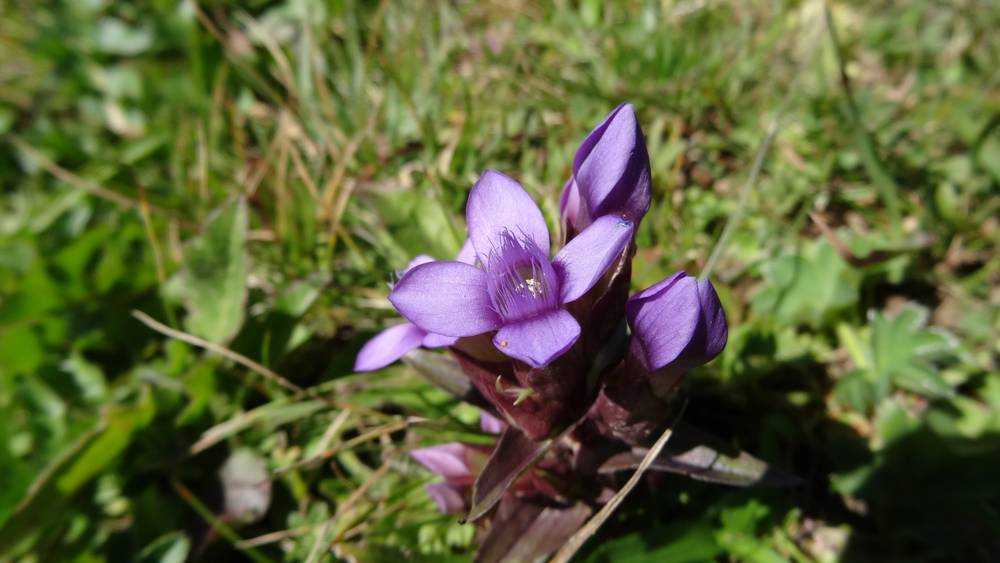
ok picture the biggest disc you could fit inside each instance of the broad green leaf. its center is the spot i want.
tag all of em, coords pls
(807, 287)
(82, 461)
(212, 282)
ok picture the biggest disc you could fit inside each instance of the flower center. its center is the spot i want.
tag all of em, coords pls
(521, 278)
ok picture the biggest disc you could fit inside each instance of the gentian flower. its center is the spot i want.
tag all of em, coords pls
(458, 463)
(610, 173)
(677, 324)
(396, 341)
(518, 291)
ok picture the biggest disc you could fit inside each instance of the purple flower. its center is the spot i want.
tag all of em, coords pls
(449, 499)
(394, 342)
(459, 464)
(677, 324)
(518, 291)
(490, 424)
(610, 173)
(453, 461)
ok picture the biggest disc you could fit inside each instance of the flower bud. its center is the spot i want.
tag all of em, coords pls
(677, 324)
(610, 173)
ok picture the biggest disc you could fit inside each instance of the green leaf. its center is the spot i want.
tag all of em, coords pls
(118, 38)
(79, 463)
(807, 287)
(213, 280)
(172, 547)
(682, 543)
(905, 351)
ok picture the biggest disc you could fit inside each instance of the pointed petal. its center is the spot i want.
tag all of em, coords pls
(388, 346)
(447, 298)
(433, 340)
(420, 260)
(585, 258)
(447, 460)
(611, 167)
(713, 321)
(467, 255)
(538, 340)
(657, 288)
(570, 205)
(664, 322)
(497, 204)
(448, 499)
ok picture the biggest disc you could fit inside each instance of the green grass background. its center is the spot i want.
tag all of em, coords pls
(252, 173)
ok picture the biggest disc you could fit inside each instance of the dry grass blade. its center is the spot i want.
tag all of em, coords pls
(281, 409)
(265, 539)
(357, 440)
(303, 172)
(845, 252)
(567, 551)
(215, 348)
(343, 508)
(77, 182)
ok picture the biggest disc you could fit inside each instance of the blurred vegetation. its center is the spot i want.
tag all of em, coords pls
(247, 176)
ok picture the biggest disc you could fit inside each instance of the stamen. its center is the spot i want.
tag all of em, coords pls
(521, 279)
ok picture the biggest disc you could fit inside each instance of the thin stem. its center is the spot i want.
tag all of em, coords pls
(734, 219)
(220, 350)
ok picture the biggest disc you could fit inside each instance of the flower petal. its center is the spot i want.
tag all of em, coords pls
(447, 460)
(447, 298)
(491, 424)
(538, 340)
(664, 322)
(585, 258)
(420, 260)
(448, 499)
(611, 167)
(388, 346)
(433, 340)
(570, 205)
(467, 255)
(713, 321)
(658, 287)
(497, 204)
